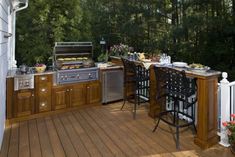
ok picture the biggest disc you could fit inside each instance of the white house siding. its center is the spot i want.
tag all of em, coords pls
(4, 23)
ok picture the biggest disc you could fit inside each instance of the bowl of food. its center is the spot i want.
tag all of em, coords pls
(199, 67)
(40, 68)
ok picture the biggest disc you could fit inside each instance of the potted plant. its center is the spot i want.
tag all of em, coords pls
(230, 126)
(120, 50)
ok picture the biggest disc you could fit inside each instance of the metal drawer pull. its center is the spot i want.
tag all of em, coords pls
(43, 104)
(43, 78)
(43, 90)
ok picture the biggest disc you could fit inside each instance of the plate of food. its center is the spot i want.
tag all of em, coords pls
(180, 64)
(199, 67)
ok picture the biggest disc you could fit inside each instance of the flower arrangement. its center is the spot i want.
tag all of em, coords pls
(230, 126)
(120, 50)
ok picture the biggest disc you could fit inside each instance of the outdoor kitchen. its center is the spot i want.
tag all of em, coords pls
(74, 80)
(115, 78)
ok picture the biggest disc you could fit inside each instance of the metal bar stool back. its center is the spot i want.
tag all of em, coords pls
(180, 92)
(136, 84)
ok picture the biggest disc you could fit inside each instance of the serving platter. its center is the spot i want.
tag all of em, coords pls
(180, 64)
(204, 69)
(198, 67)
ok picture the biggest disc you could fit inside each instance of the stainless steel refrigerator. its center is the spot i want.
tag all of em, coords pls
(112, 81)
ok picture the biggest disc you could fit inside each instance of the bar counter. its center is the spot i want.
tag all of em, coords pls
(207, 105)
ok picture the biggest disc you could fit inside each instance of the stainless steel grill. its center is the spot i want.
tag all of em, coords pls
(69, 58)
(77, 75)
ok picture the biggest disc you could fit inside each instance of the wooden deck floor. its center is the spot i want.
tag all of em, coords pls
(99, 131)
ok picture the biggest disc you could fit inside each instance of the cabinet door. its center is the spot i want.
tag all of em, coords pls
(23, 103)
(78, 95)
(93, 92)
(60, 98)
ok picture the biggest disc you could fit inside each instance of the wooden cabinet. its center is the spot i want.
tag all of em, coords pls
(93, 92)
(23, 103)
(43, 87)
(75, 95)
(60, 97)
(45, 97)
(78, 95)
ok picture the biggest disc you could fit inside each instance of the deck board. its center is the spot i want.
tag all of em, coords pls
(45, 143)
(90, 146)
(6, 142)
(100, 131)
(75, 139)
(24, 140)
(54, 138)
(35, 147)
(65, 140)
(14, 141)
(108, 142)
(93, 136)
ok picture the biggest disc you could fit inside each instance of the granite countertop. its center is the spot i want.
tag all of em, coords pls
(13, 73)
(190, 71)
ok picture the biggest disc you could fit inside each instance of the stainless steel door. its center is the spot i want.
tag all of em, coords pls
(112, 85)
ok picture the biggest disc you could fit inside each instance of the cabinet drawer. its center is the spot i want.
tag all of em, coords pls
(44, 105)
(44, 78)
(44, 91)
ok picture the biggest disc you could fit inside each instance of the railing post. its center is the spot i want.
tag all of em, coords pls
(225, 108)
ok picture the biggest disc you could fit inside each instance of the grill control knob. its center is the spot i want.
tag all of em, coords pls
(90, 76)
(27, 83)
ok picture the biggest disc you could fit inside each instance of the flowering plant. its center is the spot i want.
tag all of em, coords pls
(120, 50)
(230, 129)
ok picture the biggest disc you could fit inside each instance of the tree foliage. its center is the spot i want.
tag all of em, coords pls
(189, 30)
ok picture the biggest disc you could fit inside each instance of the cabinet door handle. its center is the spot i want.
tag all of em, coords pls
(43, 90)
(67, 90)
(88, 87)
(43, 78)
(32, 95)
(71, 89)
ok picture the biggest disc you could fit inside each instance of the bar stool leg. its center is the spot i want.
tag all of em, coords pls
(124, 99)
(177, 127)
(177, 137)
(123, 103)
(134, 109)
(155, 128)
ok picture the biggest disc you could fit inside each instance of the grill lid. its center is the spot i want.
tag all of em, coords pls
(71, 55)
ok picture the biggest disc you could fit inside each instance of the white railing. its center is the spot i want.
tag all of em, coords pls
(226, 99)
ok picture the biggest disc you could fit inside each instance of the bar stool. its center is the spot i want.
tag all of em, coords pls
(136, 84)
(177, 89)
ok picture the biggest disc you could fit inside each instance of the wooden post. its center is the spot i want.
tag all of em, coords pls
(224, 108)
